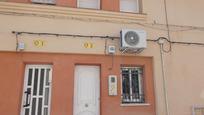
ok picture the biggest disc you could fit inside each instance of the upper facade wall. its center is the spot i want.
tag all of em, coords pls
(180, 12)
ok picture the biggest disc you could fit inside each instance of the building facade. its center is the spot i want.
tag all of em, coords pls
(64, 57)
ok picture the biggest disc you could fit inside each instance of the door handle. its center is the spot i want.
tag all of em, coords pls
(28, 94)
(86, 105)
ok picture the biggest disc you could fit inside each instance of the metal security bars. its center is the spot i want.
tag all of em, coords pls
(132, 85)
(37, 90)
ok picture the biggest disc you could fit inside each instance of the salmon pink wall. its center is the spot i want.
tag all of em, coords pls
(68, 3)
(12, 75)
(110, 5)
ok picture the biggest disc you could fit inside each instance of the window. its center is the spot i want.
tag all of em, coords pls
(44, 1)
(92, 4)
(129, 6)
(132, 85)
(198, 110)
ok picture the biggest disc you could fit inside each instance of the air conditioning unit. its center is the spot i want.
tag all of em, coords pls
(133, 40)
(44, 1)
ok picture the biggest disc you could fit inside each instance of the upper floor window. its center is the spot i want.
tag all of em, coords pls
(44, 1)
(198, 110)
(129, 6)
(92, 4)
(132, 85)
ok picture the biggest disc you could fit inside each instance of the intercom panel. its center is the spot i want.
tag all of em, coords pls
(112, 85)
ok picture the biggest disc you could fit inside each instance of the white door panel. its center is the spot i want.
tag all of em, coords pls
(86, 90)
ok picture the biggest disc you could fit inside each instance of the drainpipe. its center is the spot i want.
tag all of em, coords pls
(161, 43)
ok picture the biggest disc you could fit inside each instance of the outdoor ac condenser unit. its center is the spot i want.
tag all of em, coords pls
(133, 40)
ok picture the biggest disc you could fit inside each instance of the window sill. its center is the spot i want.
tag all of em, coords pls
(138, 104)
(70, 13)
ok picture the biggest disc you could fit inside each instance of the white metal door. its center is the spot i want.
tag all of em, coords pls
(86, 90)
(37, 90)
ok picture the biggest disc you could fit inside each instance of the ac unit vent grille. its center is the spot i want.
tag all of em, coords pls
(131, 38)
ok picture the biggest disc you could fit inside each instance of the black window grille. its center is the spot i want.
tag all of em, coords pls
(132, 85)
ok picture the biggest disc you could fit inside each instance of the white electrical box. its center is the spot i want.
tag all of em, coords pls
(20, 46)
(111, 49)
(112, 85)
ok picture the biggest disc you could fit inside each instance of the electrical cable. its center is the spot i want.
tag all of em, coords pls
(164, 80)
(167, 26)
(105, 37)
(112, 61)
(105, 46)
(16, 36)
(166, 51)
(109, 37)
(70, 35)
(163, 39)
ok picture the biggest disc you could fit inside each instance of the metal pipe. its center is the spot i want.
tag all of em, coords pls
(164, 80)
